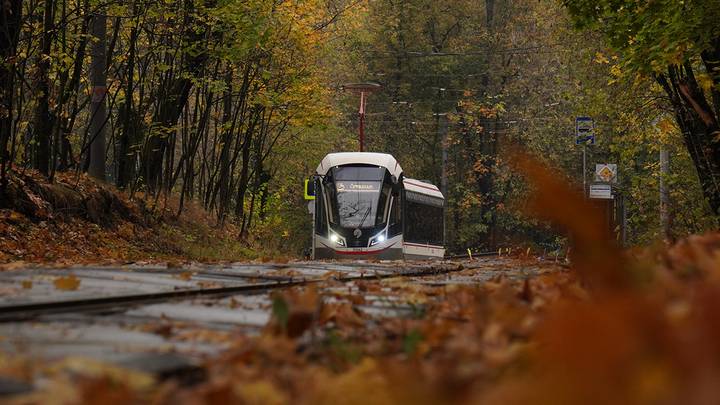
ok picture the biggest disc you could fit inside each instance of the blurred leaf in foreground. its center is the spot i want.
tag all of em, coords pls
(294, 311)
(69, 283)
(595, 255)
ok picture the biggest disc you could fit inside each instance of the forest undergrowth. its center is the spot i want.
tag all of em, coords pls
(76, 220)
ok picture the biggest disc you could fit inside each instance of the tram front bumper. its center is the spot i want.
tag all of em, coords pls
(391, 253)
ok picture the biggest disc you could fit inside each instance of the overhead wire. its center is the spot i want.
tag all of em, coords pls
(483, 52)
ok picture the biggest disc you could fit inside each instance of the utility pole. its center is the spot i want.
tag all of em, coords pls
(441, 125)
(584, 134)
(585, 190)
(443, 129)
(364, 89)
(98, 109)
(361, 115)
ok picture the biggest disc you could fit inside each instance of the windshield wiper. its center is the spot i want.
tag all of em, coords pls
(362, 222)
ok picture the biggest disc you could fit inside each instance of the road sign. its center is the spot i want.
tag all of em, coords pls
(606, 172)
(584, 131)
(601, 191)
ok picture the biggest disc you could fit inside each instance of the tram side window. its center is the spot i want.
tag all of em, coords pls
(423, 224)
(380, 218)
(395, 218)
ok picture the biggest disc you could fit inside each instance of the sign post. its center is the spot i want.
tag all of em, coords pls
(603, 193)
(584, 134)
(605, 177)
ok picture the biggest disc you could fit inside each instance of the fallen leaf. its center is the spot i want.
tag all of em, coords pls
(294, 311)
(174, 265)
(341, 314)
(19, 265)
(69, 283)
(27, 284)
(208, 284)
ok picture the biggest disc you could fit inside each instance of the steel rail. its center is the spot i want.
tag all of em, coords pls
(27, 311)
(20, 312)
(474, 254)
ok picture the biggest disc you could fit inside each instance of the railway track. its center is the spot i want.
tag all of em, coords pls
(259, 284)
(21, 312)
(167, 323)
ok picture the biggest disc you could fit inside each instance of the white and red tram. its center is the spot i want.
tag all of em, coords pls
(365, 208)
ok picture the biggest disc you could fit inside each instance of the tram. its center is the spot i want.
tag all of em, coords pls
(365, 208)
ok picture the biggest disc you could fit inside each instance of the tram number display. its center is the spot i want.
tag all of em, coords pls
(354, 186)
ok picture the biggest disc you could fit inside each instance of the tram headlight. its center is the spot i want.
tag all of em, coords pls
(336, 239)
(378, 239)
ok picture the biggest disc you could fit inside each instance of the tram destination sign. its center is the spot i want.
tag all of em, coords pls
(361, 187)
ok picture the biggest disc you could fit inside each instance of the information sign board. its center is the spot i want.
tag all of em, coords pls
(584, 131)
(601, 191)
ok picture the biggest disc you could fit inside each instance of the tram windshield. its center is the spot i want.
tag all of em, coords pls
(358, 196)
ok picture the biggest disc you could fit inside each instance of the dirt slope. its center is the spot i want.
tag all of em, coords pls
(76, 219)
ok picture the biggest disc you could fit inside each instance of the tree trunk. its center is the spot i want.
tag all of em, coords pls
(227, 131)
(194, 57)
(43, 119)
(699, 125)
(98, 108)
(244, 179)
(10, 16)
(490, 14)
(125, 160)
(64, 124)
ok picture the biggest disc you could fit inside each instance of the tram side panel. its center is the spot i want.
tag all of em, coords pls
(423, 221)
